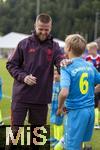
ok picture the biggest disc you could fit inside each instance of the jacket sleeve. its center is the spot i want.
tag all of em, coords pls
(58, 55)
(15, 64)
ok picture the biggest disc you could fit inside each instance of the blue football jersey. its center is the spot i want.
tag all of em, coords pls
(80, 78)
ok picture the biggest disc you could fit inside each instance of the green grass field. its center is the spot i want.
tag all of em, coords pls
(7, 87)
(6, 103)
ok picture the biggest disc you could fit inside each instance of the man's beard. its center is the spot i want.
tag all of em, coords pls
(42, 37)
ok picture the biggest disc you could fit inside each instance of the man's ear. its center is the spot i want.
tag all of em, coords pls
(34, 25)
(51, 28)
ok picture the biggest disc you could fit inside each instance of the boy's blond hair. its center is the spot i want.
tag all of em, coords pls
(92, 45)
(76, 43)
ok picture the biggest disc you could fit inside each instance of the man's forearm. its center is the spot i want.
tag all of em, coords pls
(16, 72)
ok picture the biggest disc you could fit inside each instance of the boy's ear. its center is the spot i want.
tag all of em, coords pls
(69, 48)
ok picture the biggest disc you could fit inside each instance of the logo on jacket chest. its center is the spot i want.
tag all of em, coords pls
(49, 54)
(31, 50)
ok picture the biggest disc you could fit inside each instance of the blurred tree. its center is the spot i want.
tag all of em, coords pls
(69, 16)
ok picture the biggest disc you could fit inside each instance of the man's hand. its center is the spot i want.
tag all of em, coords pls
(30, 80)
(65, 62)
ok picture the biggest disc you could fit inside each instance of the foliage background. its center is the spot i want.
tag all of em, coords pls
(69, 16)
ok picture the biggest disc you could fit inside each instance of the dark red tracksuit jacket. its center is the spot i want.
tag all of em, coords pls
(36, 58)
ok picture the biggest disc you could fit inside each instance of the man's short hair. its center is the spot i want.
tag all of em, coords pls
(77, 44)
(43, 17)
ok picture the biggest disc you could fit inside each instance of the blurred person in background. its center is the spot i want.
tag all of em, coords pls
(94, 58)
(56, 121)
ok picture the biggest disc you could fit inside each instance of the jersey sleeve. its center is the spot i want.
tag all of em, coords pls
(65, 78)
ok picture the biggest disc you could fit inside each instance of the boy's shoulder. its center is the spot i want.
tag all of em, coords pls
(77, 64)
